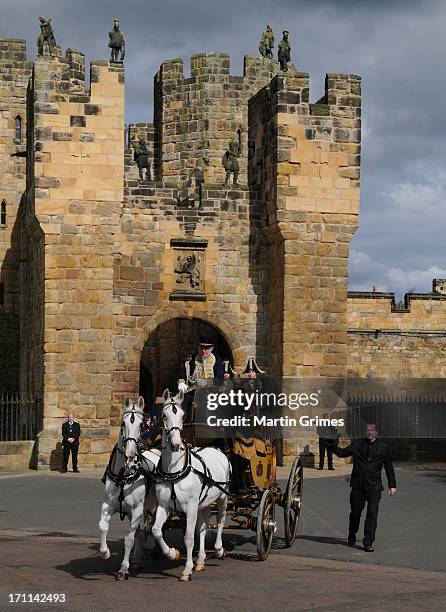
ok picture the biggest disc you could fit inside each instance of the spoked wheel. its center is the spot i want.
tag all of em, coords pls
(293, 501)
(266, 525)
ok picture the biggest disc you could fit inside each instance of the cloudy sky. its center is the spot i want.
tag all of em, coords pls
(397, 46)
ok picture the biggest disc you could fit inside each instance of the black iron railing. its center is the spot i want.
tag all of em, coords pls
(20, 417)
(398, 415)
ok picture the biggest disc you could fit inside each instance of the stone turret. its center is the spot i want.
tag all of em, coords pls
(79, 179)
(197, 116)
(305, 160)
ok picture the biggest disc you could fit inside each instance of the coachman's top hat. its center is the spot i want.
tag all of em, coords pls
(252, 365)
(205, 341)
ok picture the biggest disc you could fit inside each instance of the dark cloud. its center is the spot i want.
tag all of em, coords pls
(397, 46)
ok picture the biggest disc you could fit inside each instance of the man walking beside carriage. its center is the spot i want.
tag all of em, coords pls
(370, 455)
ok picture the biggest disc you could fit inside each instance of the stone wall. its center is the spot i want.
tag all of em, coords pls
(390, 340)
(79, 173)
(15, 72)
(156, 234)
(17, 455)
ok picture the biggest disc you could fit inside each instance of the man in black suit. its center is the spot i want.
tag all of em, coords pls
(326, 433)
(369, 456)
(71, 432)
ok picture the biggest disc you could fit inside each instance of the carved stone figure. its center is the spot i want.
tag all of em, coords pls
(284, 51)
(266, 45)
(188, 271)
(230, 162)
(46, 36)
(116, 43)
(141, 157)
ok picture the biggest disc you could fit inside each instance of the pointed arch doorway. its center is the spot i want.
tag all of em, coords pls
(166, 349)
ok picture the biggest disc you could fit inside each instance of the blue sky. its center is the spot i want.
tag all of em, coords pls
(399, 49)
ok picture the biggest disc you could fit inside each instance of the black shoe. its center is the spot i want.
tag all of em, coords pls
(351, 541)
(320, 468)
(64, 470)
(331, 469)
(76, 470)
(368, 548)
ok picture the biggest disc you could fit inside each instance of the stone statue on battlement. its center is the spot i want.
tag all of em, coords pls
(116, 42)
(141, 157)
(266, 45)
(284, 51)
(46, 36)
(230, 162)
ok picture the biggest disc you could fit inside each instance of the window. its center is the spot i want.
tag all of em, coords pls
(18, 129)
(3, 213)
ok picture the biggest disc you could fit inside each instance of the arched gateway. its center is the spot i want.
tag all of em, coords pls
(166, 349)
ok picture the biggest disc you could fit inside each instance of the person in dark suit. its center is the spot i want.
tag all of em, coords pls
(71, 432)
(369, 456)
(326, 433)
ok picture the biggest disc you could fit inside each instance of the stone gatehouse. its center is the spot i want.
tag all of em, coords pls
(107, 279)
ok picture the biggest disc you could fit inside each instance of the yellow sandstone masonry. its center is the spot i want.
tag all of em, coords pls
(104, 308)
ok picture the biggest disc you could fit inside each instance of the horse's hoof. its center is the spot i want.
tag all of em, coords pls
(199, 567)
(122, 576)
(222, 555)
(177, 554)
(185, 577)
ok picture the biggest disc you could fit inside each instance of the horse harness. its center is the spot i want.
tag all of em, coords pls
(161, 477)
(123, 478)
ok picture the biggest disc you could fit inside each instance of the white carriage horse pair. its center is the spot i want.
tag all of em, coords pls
(185, 480)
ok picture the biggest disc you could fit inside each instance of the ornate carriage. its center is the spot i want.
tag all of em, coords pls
(253, 506)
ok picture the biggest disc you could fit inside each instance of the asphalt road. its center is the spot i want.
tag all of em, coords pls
(410, 525)
(49, 543)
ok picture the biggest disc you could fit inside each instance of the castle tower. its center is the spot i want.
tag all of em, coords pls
(196, 117)
(75, 200)
(306, 161)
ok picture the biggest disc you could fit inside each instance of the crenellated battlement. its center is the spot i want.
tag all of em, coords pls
(379, 313)
(203, 65)
(79, 134)
(197, 116)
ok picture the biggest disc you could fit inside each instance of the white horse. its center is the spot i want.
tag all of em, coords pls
(125, 486)
(188, 481)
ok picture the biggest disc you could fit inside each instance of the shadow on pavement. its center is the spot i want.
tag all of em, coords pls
(325, 540)
(439, 476)
(93, 567)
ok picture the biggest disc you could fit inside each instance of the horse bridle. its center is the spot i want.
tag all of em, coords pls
(174, 410)
(132, 420)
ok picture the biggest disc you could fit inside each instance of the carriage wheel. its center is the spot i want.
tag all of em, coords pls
(293, 501)
(266, 525)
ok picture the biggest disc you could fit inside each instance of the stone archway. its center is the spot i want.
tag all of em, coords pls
(166, 349)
